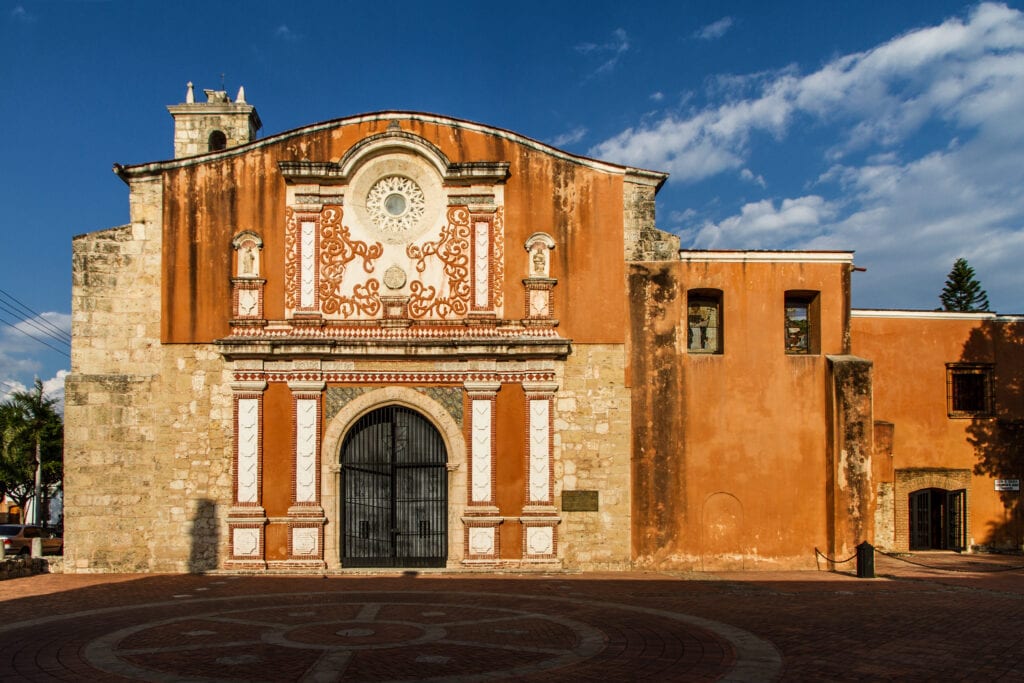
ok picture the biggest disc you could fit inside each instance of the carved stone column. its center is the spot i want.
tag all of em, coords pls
(247, 519)
(482, 518)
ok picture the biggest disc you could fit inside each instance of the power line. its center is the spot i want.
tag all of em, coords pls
(35, 338)
(35, 325)
(13, 300)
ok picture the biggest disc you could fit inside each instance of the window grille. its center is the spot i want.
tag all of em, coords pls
(969, 390)
(704, 323)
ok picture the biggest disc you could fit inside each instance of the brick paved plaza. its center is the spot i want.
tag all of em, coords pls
(911, 623)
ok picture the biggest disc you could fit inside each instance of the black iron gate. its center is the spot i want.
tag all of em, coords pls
(938, 519)
(395, 491)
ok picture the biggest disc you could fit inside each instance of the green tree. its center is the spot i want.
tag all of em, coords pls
(31, 448)
(963, 292)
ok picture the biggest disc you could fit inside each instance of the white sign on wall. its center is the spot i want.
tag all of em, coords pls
(1007, 484)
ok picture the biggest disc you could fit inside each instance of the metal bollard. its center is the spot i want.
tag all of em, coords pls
(865, 561)
(3, 551)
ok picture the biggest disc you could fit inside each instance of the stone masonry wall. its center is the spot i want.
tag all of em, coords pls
(592, 452)
(643, 241)
(143, 471)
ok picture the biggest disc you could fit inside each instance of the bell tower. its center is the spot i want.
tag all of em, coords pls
(218, 123)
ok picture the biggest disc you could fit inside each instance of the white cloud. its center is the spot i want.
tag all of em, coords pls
(23, 358)
(569, 137)
(750, 176)
(608, 52)
(285, 33)
(760, 225)
(657, 96)
(715, 30)
(20, 14)
(970, 74)
(52, 388)
(923, 165)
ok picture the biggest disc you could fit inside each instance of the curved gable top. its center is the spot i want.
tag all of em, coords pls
(394, 139)
(655, 178)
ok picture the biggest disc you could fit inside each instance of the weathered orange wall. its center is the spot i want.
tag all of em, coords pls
(910, 356)
(208, 202)
(510, 465)
(730, 450)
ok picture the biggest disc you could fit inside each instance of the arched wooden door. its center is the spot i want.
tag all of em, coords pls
(394, 491)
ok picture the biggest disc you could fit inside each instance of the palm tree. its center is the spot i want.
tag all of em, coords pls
(31, 446)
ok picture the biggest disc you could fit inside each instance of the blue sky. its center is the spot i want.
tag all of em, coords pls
(894, 129)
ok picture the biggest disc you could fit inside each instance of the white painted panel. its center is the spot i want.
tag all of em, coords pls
(540, 540)
(304, 541)
(245, 542)
(248, 449)
(307, 248)
(540, 455)
(481, 267)
(481, 450)
(305, 450)
(481, 541)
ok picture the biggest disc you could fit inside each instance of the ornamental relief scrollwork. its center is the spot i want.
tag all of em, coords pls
(292, 266)
(453, 250)
(498, 257)
(337, 250)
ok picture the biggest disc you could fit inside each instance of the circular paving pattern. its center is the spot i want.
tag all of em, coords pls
(398, 636)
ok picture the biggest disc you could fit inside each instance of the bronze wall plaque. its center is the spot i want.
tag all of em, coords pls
(579, 501)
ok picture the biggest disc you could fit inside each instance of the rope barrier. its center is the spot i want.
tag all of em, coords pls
(949, 569)
(921, 564)
(829, 559)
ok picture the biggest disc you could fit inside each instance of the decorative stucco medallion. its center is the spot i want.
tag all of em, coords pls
(396, 205)
(394, 278)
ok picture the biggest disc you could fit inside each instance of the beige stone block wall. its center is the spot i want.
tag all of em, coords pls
(885, 517)
(145, 472)
(592, 452)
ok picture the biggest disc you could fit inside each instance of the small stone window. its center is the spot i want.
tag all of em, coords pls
(704, 321)
(801, 324)
(218, 141)
(969, 389)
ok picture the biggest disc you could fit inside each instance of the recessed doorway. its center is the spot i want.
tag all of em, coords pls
(938, 519)
(394, 489)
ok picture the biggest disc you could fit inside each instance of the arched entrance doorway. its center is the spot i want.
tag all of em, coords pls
(938, 519)
(394, 491)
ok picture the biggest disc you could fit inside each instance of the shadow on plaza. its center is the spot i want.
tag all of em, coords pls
(826, 623)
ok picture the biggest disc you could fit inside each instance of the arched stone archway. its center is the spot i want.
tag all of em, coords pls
(338, 426)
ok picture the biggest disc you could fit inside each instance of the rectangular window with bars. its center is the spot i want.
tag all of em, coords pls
(704, 321)
(969, 390)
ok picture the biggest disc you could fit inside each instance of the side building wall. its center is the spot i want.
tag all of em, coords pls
(930, 446)
(148, 426)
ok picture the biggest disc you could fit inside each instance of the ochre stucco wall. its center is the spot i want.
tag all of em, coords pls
(729, 450)
(910, 355)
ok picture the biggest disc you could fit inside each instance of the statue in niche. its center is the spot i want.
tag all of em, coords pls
(247, 254)
(539, 263)
(249, 260)
(539, 247)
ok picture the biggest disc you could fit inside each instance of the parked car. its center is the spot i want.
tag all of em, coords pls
(17, 539)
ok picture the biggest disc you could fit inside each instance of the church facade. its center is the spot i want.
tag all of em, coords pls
(401, 340)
